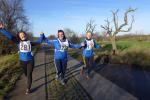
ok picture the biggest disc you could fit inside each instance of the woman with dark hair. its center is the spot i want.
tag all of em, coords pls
(61, 45)
(25, 53)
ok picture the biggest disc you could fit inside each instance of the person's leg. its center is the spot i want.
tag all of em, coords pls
(30, 67)
(57, 63)
(86, 65)
(63, 70)
(91, 59)
(64, 67)
(82, 68)
(23, 65)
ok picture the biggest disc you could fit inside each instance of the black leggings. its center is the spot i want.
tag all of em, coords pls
(27, 67)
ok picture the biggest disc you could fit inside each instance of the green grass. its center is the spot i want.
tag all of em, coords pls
(76, 53)
(7, 61)
(134, 53)
(9, 73)
(123, 45)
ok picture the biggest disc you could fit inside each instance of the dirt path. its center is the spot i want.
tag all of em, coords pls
(38, 86)
(108, 82)
(99, 87)
(71, 91)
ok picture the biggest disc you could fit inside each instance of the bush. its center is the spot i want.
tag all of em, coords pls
(137, 57)
(9, 72)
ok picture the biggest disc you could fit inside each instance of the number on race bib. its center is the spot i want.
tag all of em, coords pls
(25, 47)
(64, 45)
(89, 47)
(21, 46)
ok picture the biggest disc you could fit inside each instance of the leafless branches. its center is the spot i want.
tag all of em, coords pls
(119, 28)
(12, 14)
(90, 26)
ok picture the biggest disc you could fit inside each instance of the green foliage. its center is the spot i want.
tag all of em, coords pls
(9, 72)
(133, 37)
(137, 57)
(134, 53)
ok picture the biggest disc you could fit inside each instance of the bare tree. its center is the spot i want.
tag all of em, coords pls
(12, 14)
(97, 35)
(112, 32)
(75, 39)
(90, 26)
(69, 33)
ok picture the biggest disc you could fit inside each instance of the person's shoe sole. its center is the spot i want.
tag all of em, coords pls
(27, 92)
(87, 77)
(62, 83)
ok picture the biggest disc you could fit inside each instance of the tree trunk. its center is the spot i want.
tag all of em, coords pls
(113, 42)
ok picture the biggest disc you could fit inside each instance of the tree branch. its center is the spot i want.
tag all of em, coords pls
(115, 18)
(126, 21)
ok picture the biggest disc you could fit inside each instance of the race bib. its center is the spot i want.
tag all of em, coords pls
(89, 47)
(25, 46)
(64, 45)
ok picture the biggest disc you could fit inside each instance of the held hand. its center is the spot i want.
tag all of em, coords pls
(1, 25)
(92, 44)
(82, 44)
(42, 35)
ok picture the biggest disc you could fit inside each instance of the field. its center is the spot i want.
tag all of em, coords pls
(130, 52)
(133, 53)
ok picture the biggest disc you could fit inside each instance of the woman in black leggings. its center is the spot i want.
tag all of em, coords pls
(25, 53)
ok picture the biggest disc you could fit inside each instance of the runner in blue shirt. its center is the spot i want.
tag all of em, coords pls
(61, 45)
(25, 52)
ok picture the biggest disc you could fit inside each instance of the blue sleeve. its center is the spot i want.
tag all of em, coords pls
(9, 35)
(75, 45)
(97, 46)
(51, 42)
(39, 41)
(46, 40)
(83, 40)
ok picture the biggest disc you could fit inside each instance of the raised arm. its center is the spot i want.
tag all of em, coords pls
(76, 46)
(46, 40)
(9, 35)
(39, 41)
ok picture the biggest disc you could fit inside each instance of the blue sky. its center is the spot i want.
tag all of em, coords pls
(50, 15)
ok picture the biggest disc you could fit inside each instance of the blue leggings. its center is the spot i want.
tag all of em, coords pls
(61, 65)
(88, 61)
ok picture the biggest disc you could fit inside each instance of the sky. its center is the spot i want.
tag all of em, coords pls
(49, 16)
